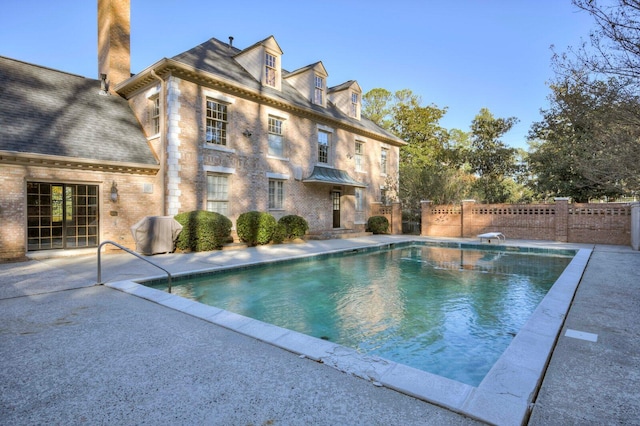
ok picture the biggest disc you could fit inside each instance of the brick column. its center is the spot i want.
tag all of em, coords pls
(562, 219)
(396, 218)
(635, 226)
(465, 214)
(425, 211)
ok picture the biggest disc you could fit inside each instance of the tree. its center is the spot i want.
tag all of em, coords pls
(586, 146)
(493, 162)
(615, 43)
(424, 162)
(376, 106)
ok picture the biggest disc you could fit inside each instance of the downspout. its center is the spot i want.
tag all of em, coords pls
(163, 140)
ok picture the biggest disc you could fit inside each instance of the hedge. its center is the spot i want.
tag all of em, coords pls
(378, 225)
(255, 227)
(202, 231)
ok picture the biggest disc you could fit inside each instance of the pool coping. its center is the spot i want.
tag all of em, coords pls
(503, 397)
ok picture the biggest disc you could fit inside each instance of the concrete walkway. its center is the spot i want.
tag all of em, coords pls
(76, 353)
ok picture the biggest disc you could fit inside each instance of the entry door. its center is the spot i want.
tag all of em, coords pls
(61, 216)
(335, 197)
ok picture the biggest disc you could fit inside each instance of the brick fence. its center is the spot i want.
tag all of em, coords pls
(601, 223)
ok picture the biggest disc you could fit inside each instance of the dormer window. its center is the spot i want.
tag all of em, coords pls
(270, 70)
(355, 100)
(319, 90)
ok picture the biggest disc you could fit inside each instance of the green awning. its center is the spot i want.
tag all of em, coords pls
(332, 176)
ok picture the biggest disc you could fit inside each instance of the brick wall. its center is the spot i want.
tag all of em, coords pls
(245, 158)
(601, 223)
(115, 219)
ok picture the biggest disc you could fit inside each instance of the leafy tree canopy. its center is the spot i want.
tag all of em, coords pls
(493, 161)
(586, 146)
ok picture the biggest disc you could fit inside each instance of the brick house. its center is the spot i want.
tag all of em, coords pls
(216, 128)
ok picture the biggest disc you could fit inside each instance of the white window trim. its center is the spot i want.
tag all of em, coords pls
(150, 95)
(364, 158)
(218, 148)
(282, 117)
(219, 169)
(328, 130)
(383, 172)
(277, 179)
(214, 173)
(153, 92)
(218, 96)
(278, 176)
(363, 195)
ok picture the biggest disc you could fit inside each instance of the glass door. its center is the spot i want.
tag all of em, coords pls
(335, 197)
(61, 216)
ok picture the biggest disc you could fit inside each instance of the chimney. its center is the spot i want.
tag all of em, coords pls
(114, 41)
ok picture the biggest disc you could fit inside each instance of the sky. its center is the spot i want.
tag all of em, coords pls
(460, 54)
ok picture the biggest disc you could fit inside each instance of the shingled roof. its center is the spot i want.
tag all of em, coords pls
(53, 113)
(216, 58)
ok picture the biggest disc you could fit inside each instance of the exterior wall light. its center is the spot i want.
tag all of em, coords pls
(114, 192)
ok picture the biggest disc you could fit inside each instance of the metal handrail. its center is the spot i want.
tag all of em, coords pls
(131, 252)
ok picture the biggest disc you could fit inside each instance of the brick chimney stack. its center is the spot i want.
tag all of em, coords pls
(114, 41)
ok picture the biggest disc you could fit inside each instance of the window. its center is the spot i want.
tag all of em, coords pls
(359, 199)
(276, 194)
(155, 115)
(270, 70)
(218, 194)
(319, 90)
(323, 146)
(383, 196)
(216, 123)
(354, 104)
(383, 161)
(359, 157)
(276, 143)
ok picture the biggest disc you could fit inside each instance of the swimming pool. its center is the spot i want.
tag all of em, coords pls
(450, 311)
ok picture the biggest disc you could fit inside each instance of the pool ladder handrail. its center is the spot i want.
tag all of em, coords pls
(133, 253)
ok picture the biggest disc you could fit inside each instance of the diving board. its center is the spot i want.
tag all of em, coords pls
(489, 235)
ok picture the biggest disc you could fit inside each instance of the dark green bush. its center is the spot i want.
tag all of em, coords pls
(255, 227)
(280, 234)
(202, 230)
(378, 225)
(295, 226)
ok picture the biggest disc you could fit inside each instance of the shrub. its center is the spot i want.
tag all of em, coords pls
(279, 234)
(378, 225)
(202, 230)
(255, 227)
(295, 226)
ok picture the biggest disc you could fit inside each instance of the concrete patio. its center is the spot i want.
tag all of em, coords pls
(78, 353)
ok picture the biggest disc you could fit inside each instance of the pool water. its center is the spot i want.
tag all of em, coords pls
(448, 311)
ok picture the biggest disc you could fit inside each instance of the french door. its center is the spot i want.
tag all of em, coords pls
(61, 216)
(335, 198)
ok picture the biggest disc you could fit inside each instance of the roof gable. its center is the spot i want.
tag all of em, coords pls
(317, 68)
(347, 85)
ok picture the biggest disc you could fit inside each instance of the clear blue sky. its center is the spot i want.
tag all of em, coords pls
(460, 54)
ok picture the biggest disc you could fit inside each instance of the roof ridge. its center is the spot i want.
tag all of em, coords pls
(46, 68)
